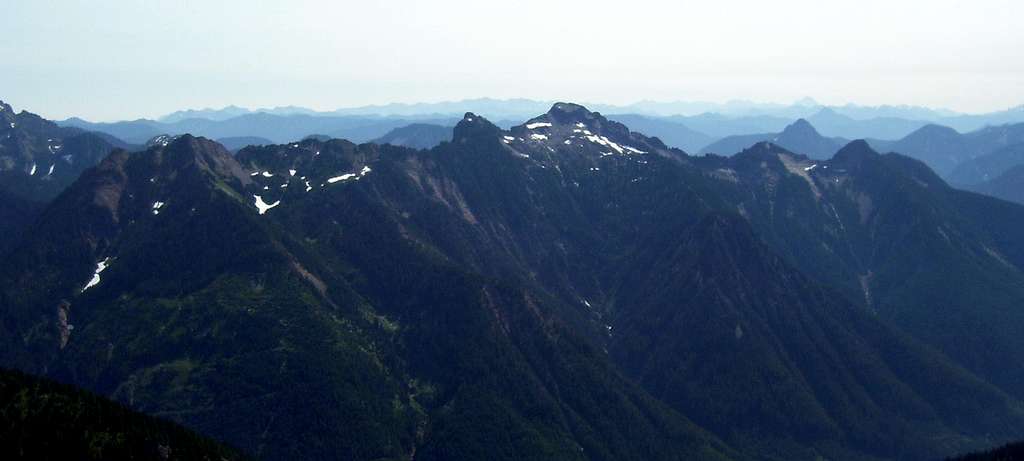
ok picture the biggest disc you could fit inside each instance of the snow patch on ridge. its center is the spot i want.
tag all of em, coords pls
(604, 141)
(100, 267)
(366, 170)
(262, 206)
(343, 177)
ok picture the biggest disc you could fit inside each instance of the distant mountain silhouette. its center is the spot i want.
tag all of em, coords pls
(944, 149)
(799, 137)
(1008, 185)
(669, 131)
(135, 132)
(317, 137)
(234, 144)
(721, 126)
(989, 166)
(417, 136)
(941, 147)
(277, 128)
(716, 120)
(208, 114)
(830, 121)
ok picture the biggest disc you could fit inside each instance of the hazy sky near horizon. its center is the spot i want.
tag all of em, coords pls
(124, 59)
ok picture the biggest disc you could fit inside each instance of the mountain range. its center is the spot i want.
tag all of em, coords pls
(987, 151)
(689, 126)
(277, 128)
(816, 130)
(565, 288)
(966, 160)
(884, 116)
(38, 158)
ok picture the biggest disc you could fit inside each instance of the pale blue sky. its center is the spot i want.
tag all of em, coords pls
(119, 59)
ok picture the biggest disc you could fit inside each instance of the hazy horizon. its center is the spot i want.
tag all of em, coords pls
(69, 59)
(762, 107)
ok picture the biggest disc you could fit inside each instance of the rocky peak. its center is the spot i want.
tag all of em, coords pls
(568, 114)
(6, 111)
(159, 140)
(763, 150)
(767, 156)
(854, 154)
(574, 116)
(571, 131)
(932, 131)
(827, 113)
(801, 128)
(474, 126)
(184, 151)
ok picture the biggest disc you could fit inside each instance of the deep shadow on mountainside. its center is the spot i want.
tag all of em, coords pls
(44, 420)
(565, 289)
(1008, 452)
